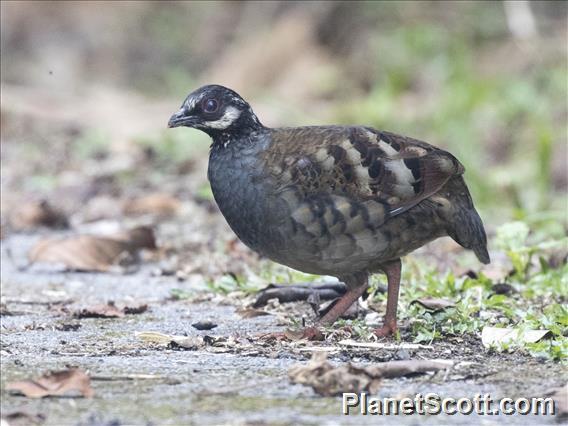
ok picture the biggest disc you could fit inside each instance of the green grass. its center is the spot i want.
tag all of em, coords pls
(537, 299)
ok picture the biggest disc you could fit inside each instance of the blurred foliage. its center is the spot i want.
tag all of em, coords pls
(452, 73)
(521, 115)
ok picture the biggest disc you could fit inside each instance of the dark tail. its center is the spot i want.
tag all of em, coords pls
(466, 227)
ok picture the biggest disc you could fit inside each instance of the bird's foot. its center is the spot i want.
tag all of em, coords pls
(387, 330)
(312, 333)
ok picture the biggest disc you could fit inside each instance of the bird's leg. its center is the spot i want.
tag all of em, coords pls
(356, 286)
(353, 293)
(392, 270)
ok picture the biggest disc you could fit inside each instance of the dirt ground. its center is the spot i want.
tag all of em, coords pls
(136, 382)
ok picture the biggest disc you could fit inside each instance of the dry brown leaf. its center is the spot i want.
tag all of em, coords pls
(110, 310)
(141, 237)
(328, 380)
(55, 384)
(92, 253)
(434, 304)
(157, 204)
(33, 214)
(494, 335)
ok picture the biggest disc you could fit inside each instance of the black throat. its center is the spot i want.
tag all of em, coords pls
(240, 131)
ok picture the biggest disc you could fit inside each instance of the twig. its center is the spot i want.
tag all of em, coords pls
(104, 378)
(37, 302)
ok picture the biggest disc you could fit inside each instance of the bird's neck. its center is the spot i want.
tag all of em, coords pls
(241, 132)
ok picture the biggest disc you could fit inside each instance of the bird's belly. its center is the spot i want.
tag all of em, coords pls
(321, 243)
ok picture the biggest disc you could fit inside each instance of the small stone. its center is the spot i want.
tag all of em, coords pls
(204, 325)
(402, 355)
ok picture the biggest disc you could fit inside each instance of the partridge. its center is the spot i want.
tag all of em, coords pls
(343, 201)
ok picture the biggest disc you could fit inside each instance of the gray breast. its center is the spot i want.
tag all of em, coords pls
(241, 193)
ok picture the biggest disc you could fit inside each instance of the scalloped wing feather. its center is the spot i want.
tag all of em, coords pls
(360, 164)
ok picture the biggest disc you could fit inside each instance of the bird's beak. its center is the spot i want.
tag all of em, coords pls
(181, 118)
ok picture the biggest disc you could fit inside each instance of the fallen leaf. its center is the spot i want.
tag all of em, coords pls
(141, 237)
(110, 310)
(92, 253)
(434, 304)
(157, 204)
(55, 384)
(33, 214)
(493, 335)
(328, 380)
(100, 311)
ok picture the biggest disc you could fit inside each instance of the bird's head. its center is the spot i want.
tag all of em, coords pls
(216, 110)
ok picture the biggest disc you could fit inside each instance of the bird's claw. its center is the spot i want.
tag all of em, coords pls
(387, 330)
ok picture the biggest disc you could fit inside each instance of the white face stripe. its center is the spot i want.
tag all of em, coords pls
(230, 116)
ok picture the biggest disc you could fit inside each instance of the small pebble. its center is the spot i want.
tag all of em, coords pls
(204, 325)
(502, 288)
(402, 355)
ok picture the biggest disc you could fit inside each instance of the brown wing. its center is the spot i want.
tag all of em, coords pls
(362, 165)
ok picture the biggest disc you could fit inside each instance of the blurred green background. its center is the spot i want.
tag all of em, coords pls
(486, 80)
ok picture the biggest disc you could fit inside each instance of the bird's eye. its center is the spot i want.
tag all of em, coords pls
(210, 105)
